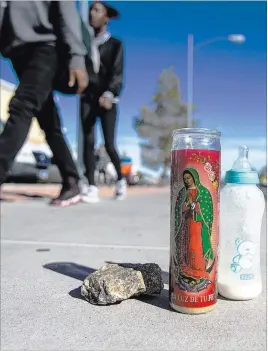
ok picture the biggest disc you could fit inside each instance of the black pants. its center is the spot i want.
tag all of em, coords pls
(90, 110)
(35, 66)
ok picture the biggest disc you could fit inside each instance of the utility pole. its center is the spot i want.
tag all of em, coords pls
(190, 78)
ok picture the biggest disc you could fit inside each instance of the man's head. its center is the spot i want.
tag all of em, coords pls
(100, 13)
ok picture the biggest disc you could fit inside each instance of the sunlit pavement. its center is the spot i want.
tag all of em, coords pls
(46, 252)
(25, 192)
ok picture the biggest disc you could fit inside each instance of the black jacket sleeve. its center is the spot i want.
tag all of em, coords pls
(116, 82)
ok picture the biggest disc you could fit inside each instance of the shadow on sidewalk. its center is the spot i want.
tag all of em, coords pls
(3, 199)
(79, 272)
(72, 270)
(22, 194)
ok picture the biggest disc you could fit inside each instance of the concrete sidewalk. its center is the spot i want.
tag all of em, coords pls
(46, 253)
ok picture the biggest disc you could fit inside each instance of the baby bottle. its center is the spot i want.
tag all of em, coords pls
(241, 212)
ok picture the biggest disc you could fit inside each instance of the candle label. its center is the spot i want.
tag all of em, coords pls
(195, 180)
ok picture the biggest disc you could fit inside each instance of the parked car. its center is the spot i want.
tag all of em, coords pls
(27, 172)
(43, 169)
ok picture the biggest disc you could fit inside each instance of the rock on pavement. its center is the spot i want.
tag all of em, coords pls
(117, 282)
(152, 276)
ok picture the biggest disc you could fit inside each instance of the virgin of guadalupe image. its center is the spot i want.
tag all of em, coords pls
(194, 258)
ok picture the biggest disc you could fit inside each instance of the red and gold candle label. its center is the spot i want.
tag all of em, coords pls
(195, 182)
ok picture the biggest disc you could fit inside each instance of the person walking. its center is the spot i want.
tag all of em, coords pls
(28, 37)
(101, 101)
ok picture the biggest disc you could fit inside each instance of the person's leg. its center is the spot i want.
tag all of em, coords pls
(36, 70)
(88, 116)
(108, 122)
(49, 121)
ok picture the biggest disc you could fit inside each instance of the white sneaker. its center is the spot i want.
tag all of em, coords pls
(90, 194)
(121, 189)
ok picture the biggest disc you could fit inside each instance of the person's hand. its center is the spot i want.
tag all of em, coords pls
(105, 102)
(80, 76)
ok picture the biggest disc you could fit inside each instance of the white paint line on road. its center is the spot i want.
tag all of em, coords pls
(91, 246)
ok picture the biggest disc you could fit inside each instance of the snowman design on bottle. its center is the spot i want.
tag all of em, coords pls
(244, 259)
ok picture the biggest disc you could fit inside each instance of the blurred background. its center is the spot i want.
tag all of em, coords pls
(210, 56)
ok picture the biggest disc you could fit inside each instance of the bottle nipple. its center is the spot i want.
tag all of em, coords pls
(242, 162)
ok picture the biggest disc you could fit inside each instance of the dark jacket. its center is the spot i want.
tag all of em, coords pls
(110, 76)
(111, 70)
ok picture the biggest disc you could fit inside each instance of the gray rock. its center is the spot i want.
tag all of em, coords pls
(112, 283)
(117, 282)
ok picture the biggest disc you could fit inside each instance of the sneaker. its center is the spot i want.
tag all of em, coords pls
(69, 195)
(121, 189)
(90, 194)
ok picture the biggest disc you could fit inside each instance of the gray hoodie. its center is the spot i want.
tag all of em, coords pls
(30, 22)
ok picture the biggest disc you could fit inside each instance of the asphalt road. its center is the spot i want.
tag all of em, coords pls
(46, 252)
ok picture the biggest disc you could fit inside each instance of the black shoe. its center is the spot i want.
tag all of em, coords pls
(69, 195)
